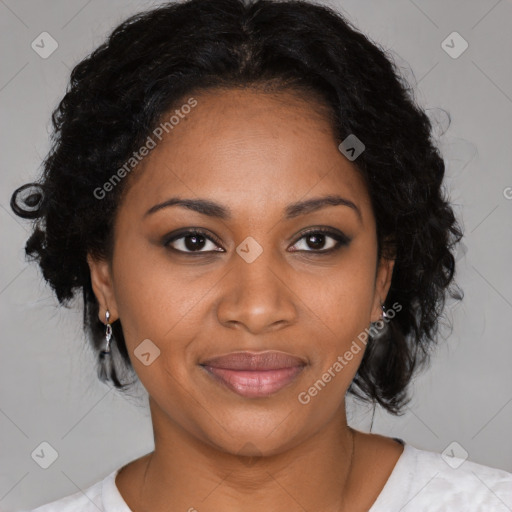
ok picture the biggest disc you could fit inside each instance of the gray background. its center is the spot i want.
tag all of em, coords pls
(49, 391)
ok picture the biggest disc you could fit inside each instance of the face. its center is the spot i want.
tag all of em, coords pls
(261, 277)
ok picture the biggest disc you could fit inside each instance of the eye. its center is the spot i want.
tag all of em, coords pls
(192, 241)
(317, 239)
(197, 240)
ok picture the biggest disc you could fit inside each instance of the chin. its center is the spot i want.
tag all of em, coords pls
(254, 435)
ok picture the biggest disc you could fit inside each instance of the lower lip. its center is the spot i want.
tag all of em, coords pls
(255, 383)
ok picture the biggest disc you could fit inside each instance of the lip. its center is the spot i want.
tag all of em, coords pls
(254, 375)
(268, 360)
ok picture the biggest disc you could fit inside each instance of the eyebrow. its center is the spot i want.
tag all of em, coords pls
(212, 209)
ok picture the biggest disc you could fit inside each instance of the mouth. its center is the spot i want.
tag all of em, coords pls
(254, 375)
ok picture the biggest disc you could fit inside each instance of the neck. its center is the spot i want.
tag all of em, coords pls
(191, 474)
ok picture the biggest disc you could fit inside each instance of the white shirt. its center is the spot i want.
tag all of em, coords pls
(421, 481)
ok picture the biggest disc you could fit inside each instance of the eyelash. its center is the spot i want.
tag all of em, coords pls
(341, 239)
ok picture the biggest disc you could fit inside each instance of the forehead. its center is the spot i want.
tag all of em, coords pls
(249, 150)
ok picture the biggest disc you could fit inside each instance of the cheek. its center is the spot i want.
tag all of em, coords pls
(152, 292)
(155, 301)
(344, 297)
(157, 314)
(339, 342)
(342, 313)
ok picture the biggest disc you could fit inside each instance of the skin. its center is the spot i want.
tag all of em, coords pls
(253, 153)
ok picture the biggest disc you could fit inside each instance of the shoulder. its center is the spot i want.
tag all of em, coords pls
(91, 499)
(429, 481)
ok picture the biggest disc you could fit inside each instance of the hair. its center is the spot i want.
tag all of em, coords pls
(119, 93)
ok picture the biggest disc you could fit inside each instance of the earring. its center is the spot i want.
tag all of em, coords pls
(384, 314)
(108, 333)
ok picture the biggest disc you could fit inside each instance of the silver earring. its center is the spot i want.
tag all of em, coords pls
(384, 315)
(108, 333)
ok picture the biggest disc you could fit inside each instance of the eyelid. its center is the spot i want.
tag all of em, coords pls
(334, 233)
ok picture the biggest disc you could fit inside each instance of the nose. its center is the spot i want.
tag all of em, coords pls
(257, 296)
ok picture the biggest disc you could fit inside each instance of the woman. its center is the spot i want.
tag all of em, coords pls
(250, 202)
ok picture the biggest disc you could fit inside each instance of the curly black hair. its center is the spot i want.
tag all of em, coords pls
(120, 92)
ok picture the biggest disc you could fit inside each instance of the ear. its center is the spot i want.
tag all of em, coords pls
(382, 284)
(101, 280)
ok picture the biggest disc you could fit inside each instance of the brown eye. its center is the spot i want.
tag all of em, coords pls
(317, 239)
(193, 241)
